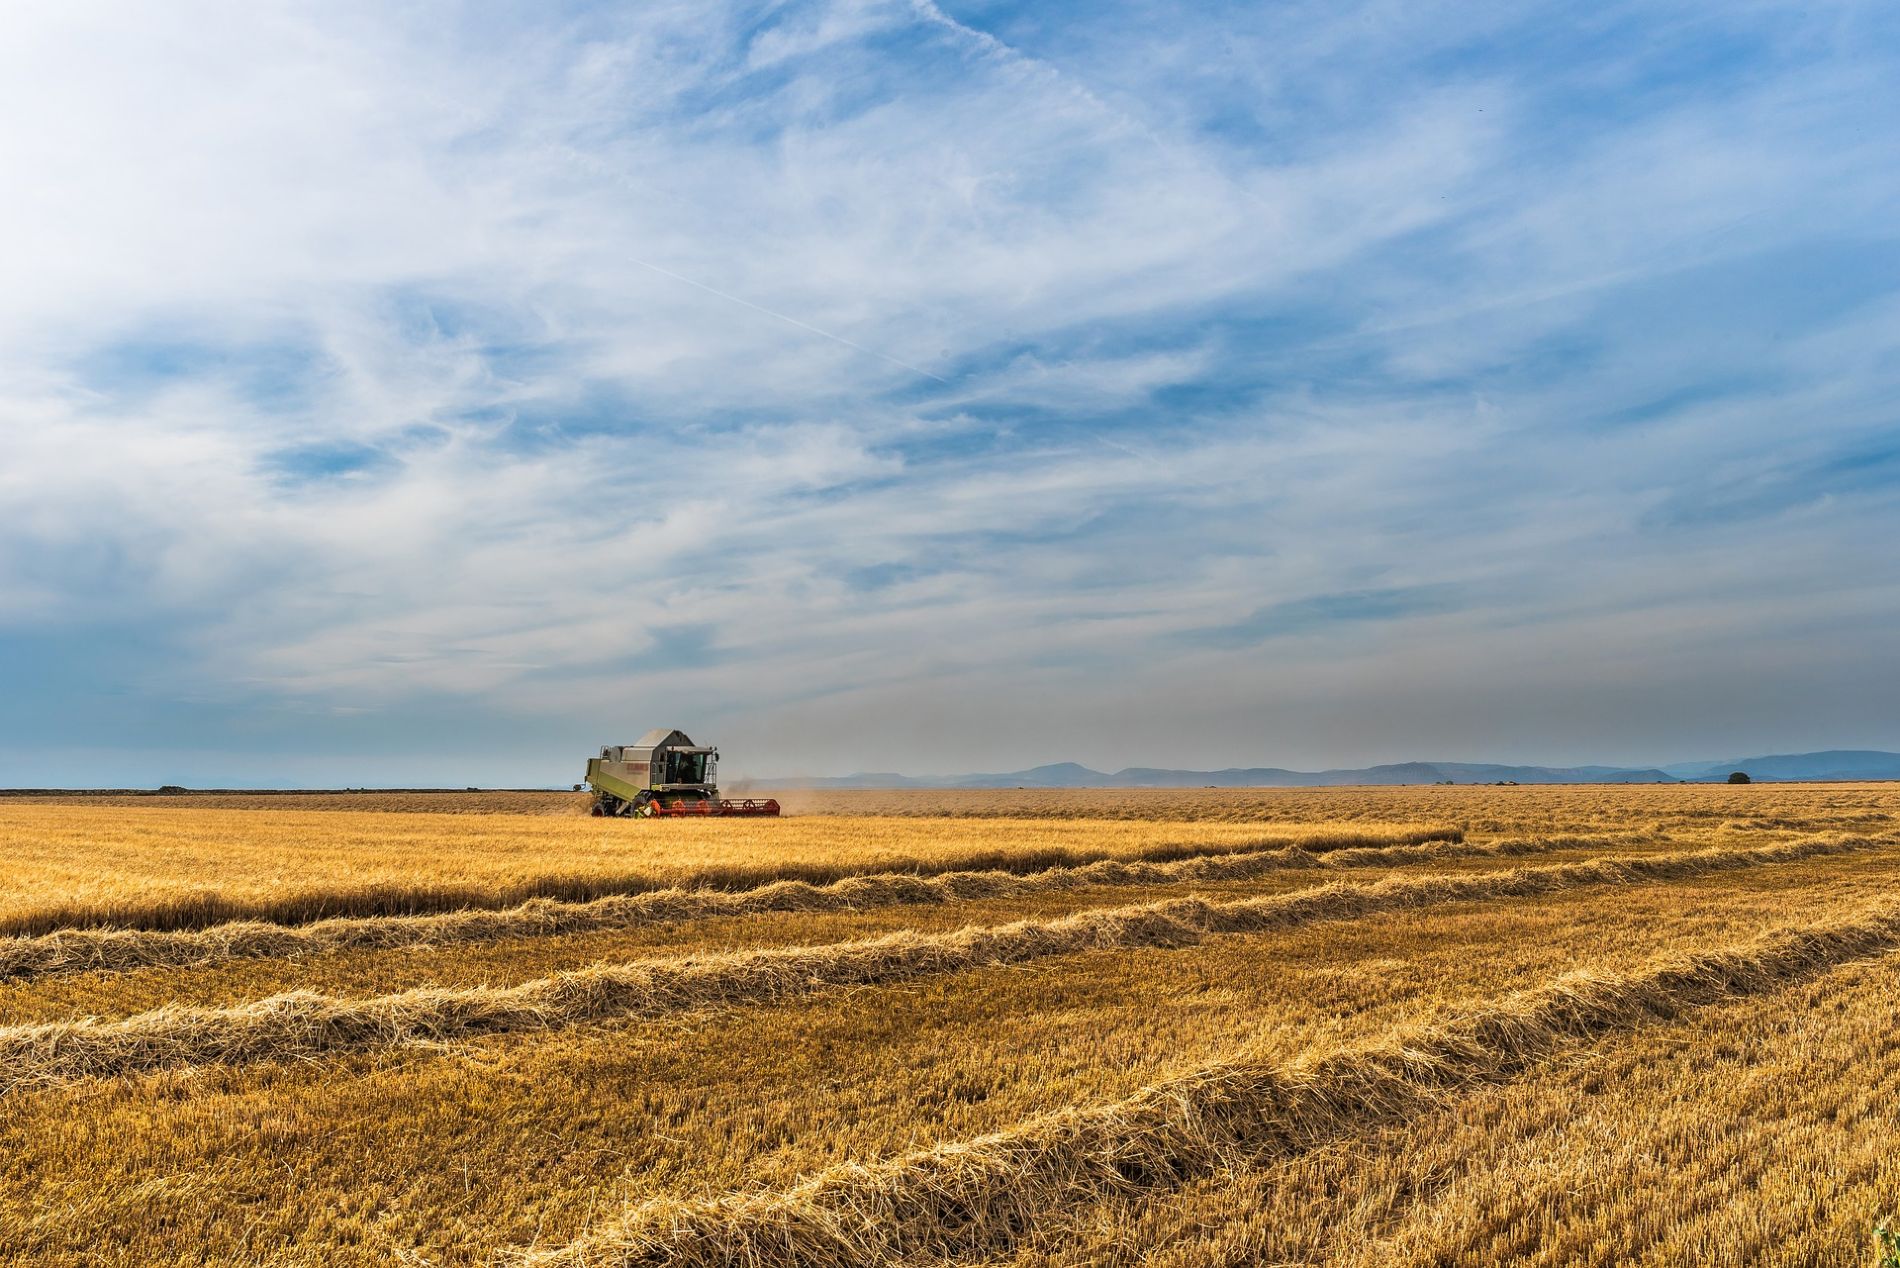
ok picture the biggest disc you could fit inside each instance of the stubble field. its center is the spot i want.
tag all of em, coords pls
(1198, 1027)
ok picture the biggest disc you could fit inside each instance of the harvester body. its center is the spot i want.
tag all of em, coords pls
(665, 773)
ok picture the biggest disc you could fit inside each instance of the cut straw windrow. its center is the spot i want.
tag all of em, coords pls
(984, 1196)
(86, 950)
(203, 910)
(306, 1024)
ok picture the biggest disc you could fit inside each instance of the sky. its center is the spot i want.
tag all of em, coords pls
(430, 394)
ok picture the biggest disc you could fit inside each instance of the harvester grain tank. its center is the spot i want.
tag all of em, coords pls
(665, 773)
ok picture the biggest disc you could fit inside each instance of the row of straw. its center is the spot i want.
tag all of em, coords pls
(985, 1196)
(85, 950)
(307, 1024)
(202, 910)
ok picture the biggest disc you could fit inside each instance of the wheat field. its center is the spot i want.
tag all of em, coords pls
(1195, 1027)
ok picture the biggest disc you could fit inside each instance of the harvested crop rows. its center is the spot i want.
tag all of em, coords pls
(87, 866)
(1401, 1031)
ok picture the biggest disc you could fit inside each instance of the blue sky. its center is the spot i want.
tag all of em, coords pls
(430, 395)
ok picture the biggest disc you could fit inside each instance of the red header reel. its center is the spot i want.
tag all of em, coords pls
(687, 806)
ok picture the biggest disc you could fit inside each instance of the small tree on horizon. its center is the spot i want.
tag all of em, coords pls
(1739, 777)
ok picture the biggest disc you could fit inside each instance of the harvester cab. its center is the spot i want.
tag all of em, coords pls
(664, 774)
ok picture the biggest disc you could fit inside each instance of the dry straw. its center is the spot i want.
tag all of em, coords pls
(406, 898)
(984, 1196)
(306, 1024)
(83, 950)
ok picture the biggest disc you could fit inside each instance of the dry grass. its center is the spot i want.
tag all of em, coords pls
(988, 1193)
(355, 1160)
(87, 949)
(411, 801)
(306, 1024)
(1753, 1132)
(1450, 1054)
(1527, 808)
(157, 868)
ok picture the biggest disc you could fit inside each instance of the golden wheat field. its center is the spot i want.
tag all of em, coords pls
(1199, 1027)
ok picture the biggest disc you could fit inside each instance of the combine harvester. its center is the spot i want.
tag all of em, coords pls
(664, 774)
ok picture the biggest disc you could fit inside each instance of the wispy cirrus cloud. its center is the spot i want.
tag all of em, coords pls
(866, 381)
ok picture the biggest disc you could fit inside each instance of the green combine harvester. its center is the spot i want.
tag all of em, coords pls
(664, 774)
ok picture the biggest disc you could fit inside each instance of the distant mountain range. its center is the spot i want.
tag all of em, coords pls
(1834, 764)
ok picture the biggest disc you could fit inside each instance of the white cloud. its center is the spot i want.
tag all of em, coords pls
(634, 318)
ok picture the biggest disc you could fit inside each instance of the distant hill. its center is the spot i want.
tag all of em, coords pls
(1836, 764)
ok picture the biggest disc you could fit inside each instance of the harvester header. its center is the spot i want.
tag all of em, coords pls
(664, 774)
